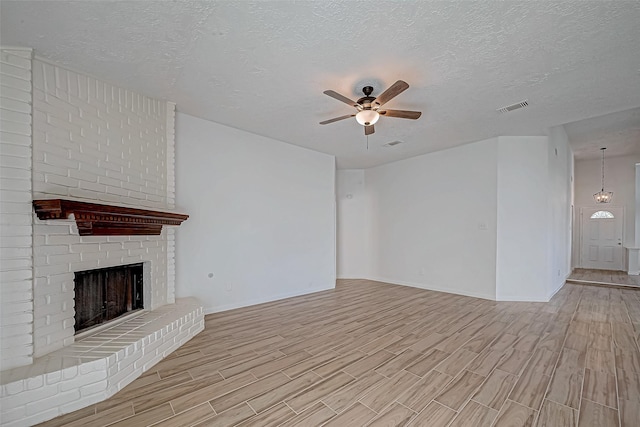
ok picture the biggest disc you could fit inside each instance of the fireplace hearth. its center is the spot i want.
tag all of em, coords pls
(104, 294)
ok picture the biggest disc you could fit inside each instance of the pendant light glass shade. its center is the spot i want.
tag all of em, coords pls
(603, 196)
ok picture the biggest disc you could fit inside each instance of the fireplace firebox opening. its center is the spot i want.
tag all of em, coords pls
(105, 294)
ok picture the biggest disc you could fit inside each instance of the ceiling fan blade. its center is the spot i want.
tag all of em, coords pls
(326, 122)
(339, 97)
(368, 130)
(393, 91)
(403, 114)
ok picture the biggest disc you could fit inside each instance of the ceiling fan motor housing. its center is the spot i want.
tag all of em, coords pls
(366, 101)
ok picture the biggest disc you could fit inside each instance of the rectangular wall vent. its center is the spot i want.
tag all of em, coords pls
(512, 107)
(392, 143)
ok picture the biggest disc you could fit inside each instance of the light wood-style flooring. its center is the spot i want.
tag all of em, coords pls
(604, 277)
(373, 354)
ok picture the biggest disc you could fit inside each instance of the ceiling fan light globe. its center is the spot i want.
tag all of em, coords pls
(367, 117)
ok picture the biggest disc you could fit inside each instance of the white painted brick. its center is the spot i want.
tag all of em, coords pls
(48, 270)
(7, 230)
(14, 253)
(55, 160)
(12, 414)
(34, 383)
(19, 58)
(22, 399)
(14, 162)
(13, 388)
(15, 150)
(15, 184)
(14, 139)
(12, 242)
(81, 133)
(16, 83)
(16, 116)
(15, 173)
(54, 377)
(16, 319)
(16, 94)
(51, 403)
(78, 193)
(59, 150)
(14, 298)
(61, 239)
(63, 259)
(93, 389)
(92, 186)
(11, 196)
(9, 104)
(14, 275)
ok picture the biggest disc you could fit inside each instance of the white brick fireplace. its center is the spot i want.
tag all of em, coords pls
(68, 135)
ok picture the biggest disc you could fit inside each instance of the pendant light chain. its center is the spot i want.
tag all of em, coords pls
(603, 196)
(602, 169)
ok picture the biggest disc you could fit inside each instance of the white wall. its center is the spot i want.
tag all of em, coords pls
(354, 231)
(434, 220)
(633, 252)
(637, 207)
(534, 212)
(561, 199)
(489, 219)
(521, 264)
(262, 217)
(619, 178)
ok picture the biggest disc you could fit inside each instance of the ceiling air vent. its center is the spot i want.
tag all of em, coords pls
(392, 143)
(512, 107)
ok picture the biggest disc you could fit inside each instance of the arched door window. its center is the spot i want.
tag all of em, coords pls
(602, 215)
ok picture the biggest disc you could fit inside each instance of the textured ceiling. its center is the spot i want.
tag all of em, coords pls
(262, 66)
(618, 132)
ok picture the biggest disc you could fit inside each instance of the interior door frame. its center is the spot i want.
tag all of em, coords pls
(581, 229)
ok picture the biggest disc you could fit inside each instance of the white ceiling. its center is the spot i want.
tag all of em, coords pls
(618, 132)
(262, 66)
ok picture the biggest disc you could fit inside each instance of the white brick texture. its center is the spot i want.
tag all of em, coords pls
(16, 295)
(85, 373)
(67, 135)
(94, 141)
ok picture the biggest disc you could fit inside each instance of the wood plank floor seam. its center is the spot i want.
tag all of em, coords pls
(554, 369)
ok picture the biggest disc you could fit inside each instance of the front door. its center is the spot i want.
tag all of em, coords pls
(601, 238)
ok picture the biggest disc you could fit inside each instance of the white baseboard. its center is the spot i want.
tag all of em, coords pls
(433, 288)
(269, 298)
(519, 298)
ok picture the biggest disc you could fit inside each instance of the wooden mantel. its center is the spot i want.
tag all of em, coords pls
(95, 219)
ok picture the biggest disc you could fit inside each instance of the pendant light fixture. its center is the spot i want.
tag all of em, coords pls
(603, 196)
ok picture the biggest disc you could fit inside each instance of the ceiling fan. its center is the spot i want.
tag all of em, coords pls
(369, 107)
